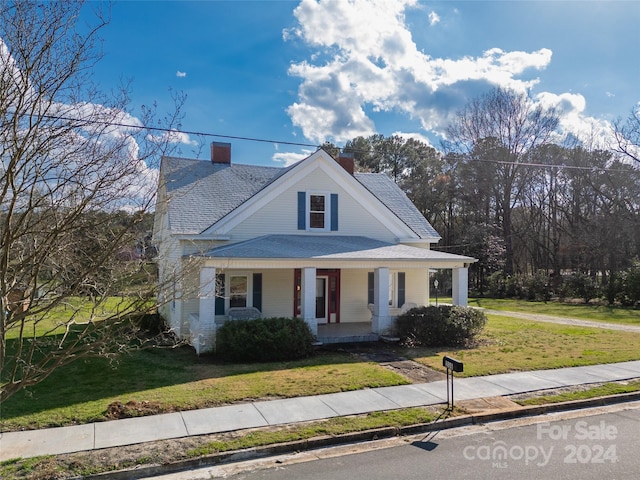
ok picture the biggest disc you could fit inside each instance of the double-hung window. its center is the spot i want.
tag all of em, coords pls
(317, 211)
(238, 290)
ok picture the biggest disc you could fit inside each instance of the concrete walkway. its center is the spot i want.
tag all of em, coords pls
(278, 412)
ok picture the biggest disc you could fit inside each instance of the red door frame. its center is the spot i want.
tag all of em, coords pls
(333, 287)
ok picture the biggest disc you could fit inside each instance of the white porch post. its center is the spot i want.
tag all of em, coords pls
(460, 290)
(308, 298)
(203, 331)
(380, 320)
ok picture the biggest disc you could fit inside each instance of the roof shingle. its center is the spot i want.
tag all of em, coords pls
(201, 193)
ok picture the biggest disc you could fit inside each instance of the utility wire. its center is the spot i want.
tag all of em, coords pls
(301, 144)
(173, 131)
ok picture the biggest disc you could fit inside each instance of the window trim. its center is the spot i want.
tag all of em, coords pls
(248, 294)
(397, 288)
(327, 210)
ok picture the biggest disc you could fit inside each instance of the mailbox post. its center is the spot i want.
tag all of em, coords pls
(452, 365)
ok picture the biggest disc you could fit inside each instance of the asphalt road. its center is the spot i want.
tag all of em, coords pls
(598, 444)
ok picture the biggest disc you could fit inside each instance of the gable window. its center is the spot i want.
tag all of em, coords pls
(317, 211)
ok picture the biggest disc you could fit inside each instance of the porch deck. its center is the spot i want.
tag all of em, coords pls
(346, 333)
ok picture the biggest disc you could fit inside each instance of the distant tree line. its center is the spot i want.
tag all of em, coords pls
(537, 214)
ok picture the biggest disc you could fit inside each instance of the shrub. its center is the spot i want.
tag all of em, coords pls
(537, 287)
(151, 323)
(579, 285)
(264, 340)
(440, 326)
(496, 285)
(630, 286)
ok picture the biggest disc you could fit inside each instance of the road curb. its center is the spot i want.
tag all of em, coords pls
(360, 437)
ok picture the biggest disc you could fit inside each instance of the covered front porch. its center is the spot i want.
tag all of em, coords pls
(364, 283)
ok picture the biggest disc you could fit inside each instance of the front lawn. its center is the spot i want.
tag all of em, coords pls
(600, 313)
(175, 379)
(509, 344)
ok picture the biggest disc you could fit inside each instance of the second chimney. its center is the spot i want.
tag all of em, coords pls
(220, 152)
(346, 160)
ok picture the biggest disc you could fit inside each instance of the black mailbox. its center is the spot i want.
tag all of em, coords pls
(452, 364)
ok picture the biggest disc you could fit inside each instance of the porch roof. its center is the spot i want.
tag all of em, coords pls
(288, 250)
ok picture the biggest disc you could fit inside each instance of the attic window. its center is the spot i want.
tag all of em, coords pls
(317, 211)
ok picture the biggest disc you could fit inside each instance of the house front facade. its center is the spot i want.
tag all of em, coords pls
(315, 240)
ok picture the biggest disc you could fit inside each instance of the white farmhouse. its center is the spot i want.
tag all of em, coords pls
(345, 251)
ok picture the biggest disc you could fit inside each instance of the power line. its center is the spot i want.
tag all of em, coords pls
(301, 144)
(187, 132)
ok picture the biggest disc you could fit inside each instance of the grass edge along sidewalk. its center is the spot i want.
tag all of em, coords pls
(511, 344)
(255, 443)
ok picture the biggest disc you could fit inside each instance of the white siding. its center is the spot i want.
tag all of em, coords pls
(277, 293)
(280, 216)
(353, 296)
(417, 286)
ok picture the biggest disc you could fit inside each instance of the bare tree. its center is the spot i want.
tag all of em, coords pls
(627, 135)
(500, 128)
(68, 163)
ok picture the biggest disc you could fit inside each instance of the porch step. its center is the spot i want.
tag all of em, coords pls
(370, 337)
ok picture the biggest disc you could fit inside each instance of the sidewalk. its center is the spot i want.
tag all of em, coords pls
(278, 412)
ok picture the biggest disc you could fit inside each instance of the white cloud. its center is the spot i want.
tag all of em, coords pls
(434, 18)
(180, 74)
(416, 136)
(591, 132)
(174, 136)
(365, 60)
(286, 159)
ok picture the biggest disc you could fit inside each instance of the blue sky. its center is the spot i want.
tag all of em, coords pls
(310, 71)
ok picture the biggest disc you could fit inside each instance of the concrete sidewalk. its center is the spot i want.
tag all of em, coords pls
(278, 412)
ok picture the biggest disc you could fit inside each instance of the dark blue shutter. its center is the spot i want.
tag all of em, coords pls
(334, 212)
(257, 291)
(401, 295)
(370, 287)
(219, 294)
(302, 211)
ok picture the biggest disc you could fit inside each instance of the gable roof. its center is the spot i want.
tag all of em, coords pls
(201, 193)
(389, 193)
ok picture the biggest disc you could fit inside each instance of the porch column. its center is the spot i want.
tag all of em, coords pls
(380, 320)
(308, 298)
(460, 290)
(203, 331)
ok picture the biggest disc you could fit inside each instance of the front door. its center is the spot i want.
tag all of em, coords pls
(321, 299)
(327, 295)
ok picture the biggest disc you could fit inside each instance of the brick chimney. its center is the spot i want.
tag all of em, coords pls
(220, 152)
(346, 160)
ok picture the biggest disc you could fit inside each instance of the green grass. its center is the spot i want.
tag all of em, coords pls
(615, 388)
(175, 379)
(600, 313)
(79, 308)
(334, 426)
(80, 465)
(509, 344)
